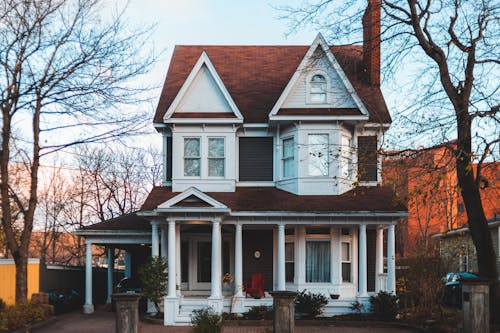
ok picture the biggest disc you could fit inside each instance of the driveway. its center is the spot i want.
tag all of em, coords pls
(102, 321)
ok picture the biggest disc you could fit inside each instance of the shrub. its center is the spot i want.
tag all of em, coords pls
(310, 305)
(3, 305)
(206, 321)
(259, 312)
(22, 314)
(357, 307)
(154, 278)
(384, 306)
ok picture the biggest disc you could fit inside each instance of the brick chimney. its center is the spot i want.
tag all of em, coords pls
(371, 41)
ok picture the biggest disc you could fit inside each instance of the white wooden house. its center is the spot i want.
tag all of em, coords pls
(270, 166)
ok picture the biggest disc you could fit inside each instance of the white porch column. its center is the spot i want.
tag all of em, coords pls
(362, 291)
(179, 254)
(216, 289)
(379, 258)
(111, 263)
(391, 260)
(163, 242)
(155, 249)
(171, 260)
(238, 266)
(88, 307)
(128, 264)
(171, 303)
(280, 276)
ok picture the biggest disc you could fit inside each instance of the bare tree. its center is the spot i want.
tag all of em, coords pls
(64, 79)
(452, 49)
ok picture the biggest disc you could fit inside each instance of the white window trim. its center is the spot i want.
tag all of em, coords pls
(308, 87)
(223, 157)
(200, 145)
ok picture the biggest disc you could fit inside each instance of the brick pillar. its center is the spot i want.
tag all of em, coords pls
(127, 312)
(284, 311)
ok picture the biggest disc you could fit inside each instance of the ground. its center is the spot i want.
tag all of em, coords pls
(103, 321)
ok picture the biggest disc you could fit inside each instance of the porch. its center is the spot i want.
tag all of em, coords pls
(322, 254)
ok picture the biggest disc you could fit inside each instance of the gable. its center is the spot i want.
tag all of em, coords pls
(192, 199)
(203, 95)
(338, 96)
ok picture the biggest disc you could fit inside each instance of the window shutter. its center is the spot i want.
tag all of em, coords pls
(367, 158)
(256, 159)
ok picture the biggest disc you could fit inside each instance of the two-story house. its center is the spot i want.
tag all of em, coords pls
(270, 166)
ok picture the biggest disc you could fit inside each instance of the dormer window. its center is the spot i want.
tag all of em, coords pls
(318, 89)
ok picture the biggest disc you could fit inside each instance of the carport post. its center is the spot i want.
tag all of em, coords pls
(88, 307)
(111, 263)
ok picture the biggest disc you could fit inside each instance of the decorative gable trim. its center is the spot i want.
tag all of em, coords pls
(192, 194)
(319, 41)
(203, 60)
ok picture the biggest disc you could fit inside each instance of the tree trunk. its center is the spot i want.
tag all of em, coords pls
(478, 224)
(21, 260)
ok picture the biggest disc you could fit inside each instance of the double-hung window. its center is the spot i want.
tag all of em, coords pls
(192, 158)
(288, 158)
(318, 154)
(318, 89)
(346, 261)
(216, 157)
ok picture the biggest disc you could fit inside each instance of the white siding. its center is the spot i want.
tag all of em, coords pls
(203, 95)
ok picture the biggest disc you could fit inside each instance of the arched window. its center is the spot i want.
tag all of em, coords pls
(318, 89)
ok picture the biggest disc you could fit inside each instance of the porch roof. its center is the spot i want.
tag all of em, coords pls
(266, 199)
(128, 222)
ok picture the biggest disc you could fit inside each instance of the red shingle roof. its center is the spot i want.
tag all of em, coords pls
(255, 76)
(378, 199)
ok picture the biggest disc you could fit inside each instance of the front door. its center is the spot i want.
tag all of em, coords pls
(200, 265)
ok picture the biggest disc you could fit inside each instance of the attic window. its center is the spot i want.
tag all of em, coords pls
(318, 89)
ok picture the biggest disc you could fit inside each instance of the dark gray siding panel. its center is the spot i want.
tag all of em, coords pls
(371, 251)
(169, 158)
(367, 158)
(261, 240)
(256, 159)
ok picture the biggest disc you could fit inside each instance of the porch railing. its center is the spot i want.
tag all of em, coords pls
(382, 281)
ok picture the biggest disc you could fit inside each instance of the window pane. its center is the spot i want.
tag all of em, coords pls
(288, 168)
(289, 252)
(288, 148)
(318, 154)
(318, 261)
(318, 98)
(318, 78)
(216, 167)
(346, 256)
(191, 147)
(191, 167)
(318, 88)
(346, 272)
(216, 147)
(289, 271)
